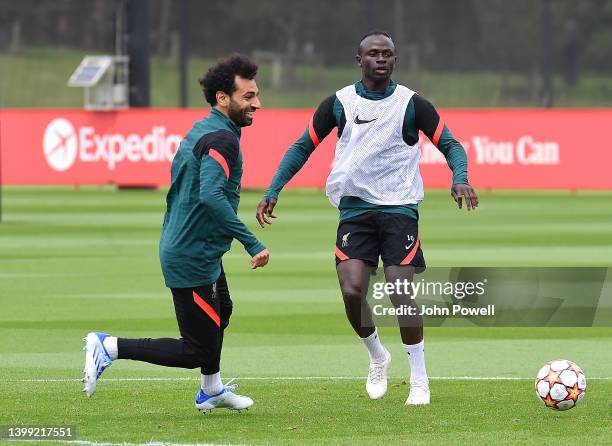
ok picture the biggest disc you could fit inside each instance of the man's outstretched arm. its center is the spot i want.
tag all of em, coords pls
(320, 125)
(429, 122)
(218, 154)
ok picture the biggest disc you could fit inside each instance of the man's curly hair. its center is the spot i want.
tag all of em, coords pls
(221, 76)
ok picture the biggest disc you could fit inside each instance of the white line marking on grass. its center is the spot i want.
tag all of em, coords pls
(106, 443)
(292, 378)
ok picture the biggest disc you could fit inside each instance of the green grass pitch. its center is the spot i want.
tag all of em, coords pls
(72, 261)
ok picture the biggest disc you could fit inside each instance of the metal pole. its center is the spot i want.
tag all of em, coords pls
(0, 167)
(119, 26)
(138, 51)
(546, 59)
(184, 8)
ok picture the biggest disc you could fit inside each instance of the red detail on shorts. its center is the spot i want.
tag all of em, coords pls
(341, 255)
(412, 253)
(210, 311)
(312, 133)
(219, 158)
(438, 132)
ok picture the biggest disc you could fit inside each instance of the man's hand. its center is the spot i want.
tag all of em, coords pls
(260, 260)
(458, 191)
(264, 211)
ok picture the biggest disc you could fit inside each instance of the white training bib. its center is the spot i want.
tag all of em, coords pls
(372, 161)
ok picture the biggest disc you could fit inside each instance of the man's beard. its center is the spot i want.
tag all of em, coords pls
(238, 115)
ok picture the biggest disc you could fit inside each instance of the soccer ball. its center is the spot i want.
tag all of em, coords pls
(560, 384)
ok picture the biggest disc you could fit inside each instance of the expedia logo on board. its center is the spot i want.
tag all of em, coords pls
(63, 145)
(60, 144)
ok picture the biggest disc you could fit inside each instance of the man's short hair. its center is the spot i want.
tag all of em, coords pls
(374, 32)
(221, 76)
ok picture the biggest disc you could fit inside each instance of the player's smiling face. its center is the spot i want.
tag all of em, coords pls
(243, 102)
(376, 58)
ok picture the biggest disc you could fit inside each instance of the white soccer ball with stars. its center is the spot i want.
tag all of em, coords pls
(560, 384)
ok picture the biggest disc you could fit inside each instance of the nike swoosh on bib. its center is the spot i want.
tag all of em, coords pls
(361, 121)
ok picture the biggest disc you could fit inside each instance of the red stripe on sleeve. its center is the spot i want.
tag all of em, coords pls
(438, 132)
(219, 158)
(312, 133)
(210, 311)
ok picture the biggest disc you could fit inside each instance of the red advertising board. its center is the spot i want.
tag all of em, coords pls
(506, 148)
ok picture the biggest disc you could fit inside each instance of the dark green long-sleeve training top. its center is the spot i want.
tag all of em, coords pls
(202, 204)
(420, 115)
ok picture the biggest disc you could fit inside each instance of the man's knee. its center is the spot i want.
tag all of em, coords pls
(352, 294)
(402, 300)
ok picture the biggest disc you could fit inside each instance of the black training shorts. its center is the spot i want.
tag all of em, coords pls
(393, 237)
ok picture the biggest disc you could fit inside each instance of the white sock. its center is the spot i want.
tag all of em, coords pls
(211, 384)
(110, 344)
(416, 358)
(377, 352)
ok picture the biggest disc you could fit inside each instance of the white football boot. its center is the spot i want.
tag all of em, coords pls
(376, 385)
(97, 360)
(419, 393)
(226, 399)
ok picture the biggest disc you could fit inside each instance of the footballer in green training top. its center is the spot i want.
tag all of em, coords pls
(376, 185)
(200, 223)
